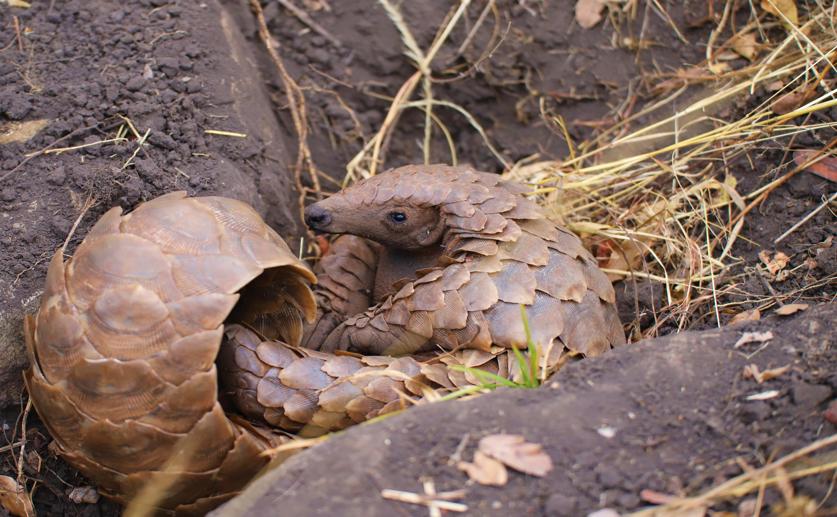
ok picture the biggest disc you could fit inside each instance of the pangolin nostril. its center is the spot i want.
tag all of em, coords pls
(317, 217)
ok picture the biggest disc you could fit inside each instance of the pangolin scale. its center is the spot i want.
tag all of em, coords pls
(125, 344)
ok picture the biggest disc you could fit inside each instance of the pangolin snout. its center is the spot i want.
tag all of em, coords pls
(317, 217)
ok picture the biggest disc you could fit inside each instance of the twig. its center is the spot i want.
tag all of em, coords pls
(307, 20)
(22, 452)
(11, 446)
(16, 21)
(806, 218)
(296, 104)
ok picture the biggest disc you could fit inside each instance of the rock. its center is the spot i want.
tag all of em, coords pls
(810, 395)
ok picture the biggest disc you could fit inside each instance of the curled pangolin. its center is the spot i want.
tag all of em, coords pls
(124, 345)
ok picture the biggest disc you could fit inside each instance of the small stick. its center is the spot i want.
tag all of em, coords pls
(806, 218)
(11, 446)
(17, 32)
(22, 452)
(307, 20)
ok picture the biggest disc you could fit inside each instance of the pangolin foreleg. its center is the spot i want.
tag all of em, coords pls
(345, 281)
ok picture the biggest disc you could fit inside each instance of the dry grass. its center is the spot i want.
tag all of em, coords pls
(658, 202)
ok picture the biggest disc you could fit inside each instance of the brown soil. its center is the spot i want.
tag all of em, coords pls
(180, 68)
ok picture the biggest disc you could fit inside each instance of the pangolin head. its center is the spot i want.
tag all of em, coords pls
(405, 208)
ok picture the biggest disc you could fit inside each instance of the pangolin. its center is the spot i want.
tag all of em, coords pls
(124, 345)
(449, 255)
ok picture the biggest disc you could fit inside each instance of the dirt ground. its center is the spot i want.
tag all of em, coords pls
(129, 90)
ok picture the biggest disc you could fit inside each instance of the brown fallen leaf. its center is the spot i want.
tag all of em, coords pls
(792, 100)
(589, 12)
(753, 315)
(753, 337)
(745, 45)
(485, 470)
(776, 264)
(785, 10)
(751, 371)
(14, 498)
(515, 452)
(824, 168)
(791, 308)
(84, 494)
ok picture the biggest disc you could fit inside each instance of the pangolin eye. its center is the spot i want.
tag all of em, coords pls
(397, 217)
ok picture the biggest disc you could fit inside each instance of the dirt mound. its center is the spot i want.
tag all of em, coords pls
(105, 77)
(667, 415)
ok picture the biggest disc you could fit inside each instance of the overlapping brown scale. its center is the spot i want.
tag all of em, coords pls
(63, 331)
(478, 246)
(462, 209)
(305, 374)
(569, 244)
(363, 408)
(579, 319)
(129, 322)
(337, 396)
(115, 390)
(127, 446)
(208, 274)
(188, 355)
(563, 278)
(524, 209)
(234, 215)
(420, 324)
(453, 315)
(93, 268)
(272, 393)
(474, 223)
(598, 281)
(161, 221)
(301, 406)
(65, 420)
(399, 314)
(109, 223)
(201, 312)
(383, 388)
(341, 366)
(480, 293)
(527, 249)
(185, 404)
(507, 325)
(500, 201)
(426, 297)
(515, 283)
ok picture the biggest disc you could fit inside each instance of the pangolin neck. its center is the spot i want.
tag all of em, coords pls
(396, 264)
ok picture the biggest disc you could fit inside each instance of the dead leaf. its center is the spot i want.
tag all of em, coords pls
(792, 100)
(824, 168)
(485, 470)
(791, 308)
(753, 315)
(751, 371)
(753, 337)
(776, 264)
(14, 498)
(16, 132)
(785, 10)
(589, 12)
(84, 494)
(517, 453)
(19, 3)
(745, 45)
